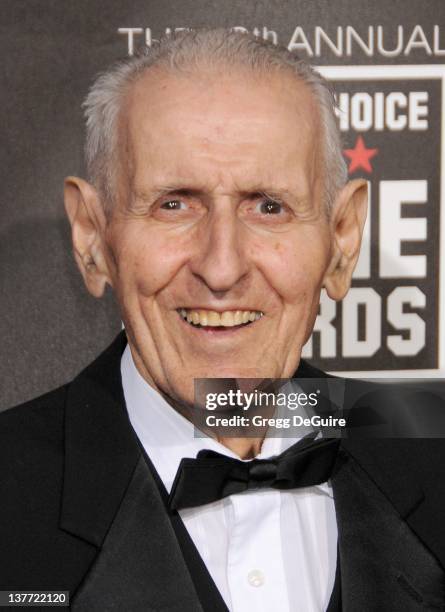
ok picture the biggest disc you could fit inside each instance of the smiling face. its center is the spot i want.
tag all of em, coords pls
(223, 223)
(219, 244)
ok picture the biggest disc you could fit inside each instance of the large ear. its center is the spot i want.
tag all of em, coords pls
(88, 222)
(347, 222)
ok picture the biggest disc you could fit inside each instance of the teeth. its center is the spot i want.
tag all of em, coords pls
(195, 318)
(213, 318)
(228, 318)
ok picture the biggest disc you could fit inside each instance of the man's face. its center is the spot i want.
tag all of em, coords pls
(220, 221)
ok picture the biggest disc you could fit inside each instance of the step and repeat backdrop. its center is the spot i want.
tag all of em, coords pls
(387, 63)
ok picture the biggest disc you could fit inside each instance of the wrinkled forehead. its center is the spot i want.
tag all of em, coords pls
(216, 122)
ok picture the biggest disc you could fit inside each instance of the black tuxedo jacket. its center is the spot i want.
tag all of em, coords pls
(81, 509)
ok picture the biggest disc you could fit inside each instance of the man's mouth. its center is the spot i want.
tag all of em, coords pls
(212, 318)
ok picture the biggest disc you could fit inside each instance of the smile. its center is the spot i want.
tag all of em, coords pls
(212, 318)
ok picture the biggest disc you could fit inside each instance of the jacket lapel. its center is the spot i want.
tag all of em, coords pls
(100, 448)
(111, 500)
(385, 564)
(389, 506)
(140, 566)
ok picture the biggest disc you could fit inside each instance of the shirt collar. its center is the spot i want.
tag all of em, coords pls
(167, 436)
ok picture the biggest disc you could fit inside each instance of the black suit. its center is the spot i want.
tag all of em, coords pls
(81, 509)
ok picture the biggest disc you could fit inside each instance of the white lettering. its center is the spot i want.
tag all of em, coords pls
(417, 110)
(323, 325)
(411, 321)
(342, 111)
(130, 32)
(436, 41)
(300, 42)
(389, 52)
(351, 34)
(395, 99)
(361, 111)
(394, 229)
(320, 35)
(369, 345)
(379, 112)
(344, 41)
(420, 43)
(270, 35)
(395, 111)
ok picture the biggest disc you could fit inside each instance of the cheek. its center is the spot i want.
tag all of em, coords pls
(293, 266)
(148, 261)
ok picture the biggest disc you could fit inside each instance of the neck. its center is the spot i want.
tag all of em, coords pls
(245, 448)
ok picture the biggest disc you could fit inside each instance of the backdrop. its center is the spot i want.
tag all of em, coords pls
(387, 63)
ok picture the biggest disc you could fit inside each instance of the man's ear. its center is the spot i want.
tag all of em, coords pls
(88, 222)
(347, 223)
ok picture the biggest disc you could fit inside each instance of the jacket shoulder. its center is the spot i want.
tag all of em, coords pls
(31, 458)
(37, 423)
(34, 553)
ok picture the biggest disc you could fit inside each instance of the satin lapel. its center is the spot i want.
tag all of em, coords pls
(389, 498)
(384, 564)
(110, 500)
(207, 591)
(140, 566)
(409, 472)
(101, 451)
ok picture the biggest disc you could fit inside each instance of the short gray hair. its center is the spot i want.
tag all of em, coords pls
(195, 49)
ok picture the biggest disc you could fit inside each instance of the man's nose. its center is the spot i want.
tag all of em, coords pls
(220, 254)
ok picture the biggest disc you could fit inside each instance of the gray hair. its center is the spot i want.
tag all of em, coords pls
(194, 49)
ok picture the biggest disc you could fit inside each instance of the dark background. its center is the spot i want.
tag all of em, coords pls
(50, 51)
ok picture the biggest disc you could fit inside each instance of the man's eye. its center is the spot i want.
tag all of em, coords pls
(269, 207)
(173, 205)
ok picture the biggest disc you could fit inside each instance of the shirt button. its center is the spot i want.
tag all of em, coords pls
(256, 578)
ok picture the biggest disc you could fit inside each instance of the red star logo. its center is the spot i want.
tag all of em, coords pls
(360, 156)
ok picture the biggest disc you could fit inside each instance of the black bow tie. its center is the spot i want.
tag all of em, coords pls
(212, 476)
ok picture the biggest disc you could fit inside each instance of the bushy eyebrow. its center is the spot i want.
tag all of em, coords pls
(159, 192)
(179, 190)
(271, 194)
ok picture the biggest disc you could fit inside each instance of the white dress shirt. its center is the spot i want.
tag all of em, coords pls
(266, 550)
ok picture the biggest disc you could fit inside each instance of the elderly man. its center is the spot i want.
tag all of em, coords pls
(217, 208)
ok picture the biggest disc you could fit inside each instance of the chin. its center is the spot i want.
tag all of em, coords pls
(228, 370)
